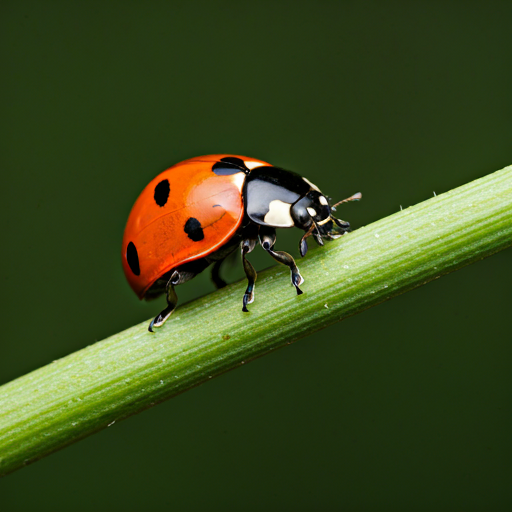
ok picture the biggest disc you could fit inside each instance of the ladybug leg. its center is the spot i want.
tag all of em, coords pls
(267, 241)
(247, 246)
(172, 301)
(217, 280)
(303, 245)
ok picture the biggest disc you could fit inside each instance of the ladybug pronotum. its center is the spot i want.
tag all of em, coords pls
(199, 211)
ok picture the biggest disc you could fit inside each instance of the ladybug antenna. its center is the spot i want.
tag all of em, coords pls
(356, 197)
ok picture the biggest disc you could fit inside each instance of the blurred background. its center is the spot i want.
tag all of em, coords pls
(406, 406)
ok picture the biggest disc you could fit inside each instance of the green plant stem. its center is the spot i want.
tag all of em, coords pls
(91, 389)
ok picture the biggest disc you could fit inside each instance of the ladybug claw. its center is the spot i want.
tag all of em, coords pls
(156, 322)
(160, 319)
(248, 299)
(152, 325)
(297, 280)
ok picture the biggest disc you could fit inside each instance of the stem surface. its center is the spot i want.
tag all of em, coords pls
(89, 390)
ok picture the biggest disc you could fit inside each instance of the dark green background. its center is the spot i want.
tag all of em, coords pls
(404, 407)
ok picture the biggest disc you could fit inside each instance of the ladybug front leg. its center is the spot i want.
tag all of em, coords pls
(267, 241)
(247, 246)
(172, 301)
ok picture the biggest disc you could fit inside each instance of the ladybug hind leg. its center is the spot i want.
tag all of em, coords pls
(217, 280)
(267, 241)
(225, 253)
(183, 274)
(172, 302)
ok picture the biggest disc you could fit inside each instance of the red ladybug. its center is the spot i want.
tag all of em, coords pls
(199, 211)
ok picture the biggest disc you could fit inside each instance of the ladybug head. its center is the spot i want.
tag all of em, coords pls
(313, 214)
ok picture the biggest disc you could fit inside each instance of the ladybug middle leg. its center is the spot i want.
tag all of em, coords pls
(226, 253)
(267, 241)
(247, 246)
(217, 280)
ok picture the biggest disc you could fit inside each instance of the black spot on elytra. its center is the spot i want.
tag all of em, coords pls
(229, 165)
(132, 257)
(194, 230)
(162, 192)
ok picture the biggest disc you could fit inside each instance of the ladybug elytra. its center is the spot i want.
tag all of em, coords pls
(199, 211)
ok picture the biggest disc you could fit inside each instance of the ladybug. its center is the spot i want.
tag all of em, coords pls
(200, 210)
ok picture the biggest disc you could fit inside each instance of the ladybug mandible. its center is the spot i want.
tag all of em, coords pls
(199, 211)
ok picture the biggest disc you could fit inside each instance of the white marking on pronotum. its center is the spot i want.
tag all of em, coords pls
(279, 214)
(311, 211)
(323, 200)
(312, 185)
(252, 165)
